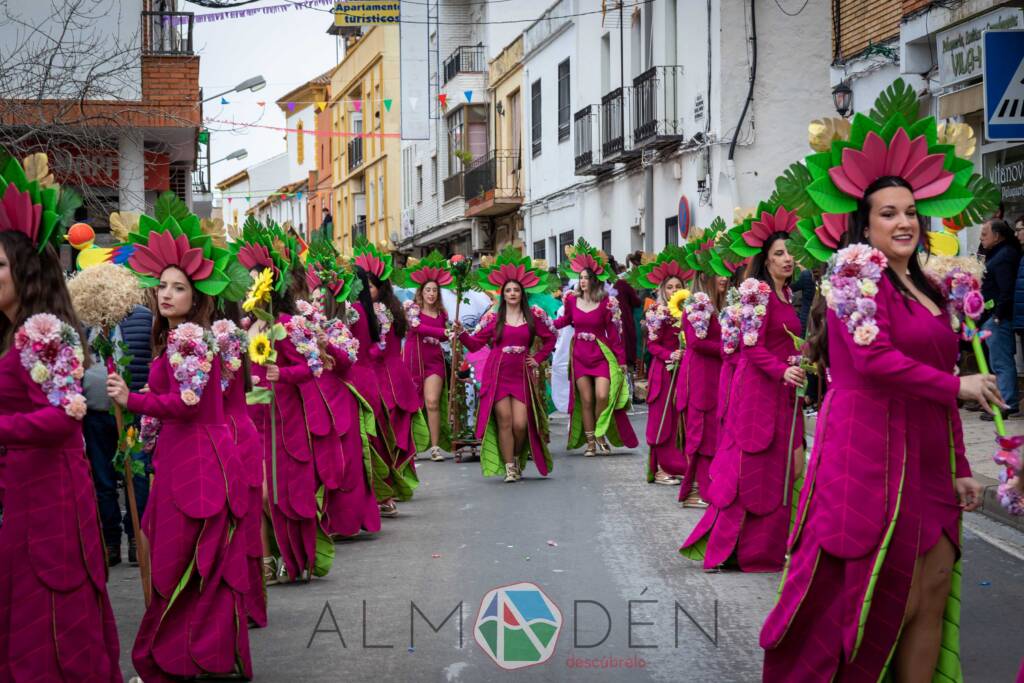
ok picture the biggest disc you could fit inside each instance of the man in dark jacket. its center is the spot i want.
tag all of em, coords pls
(100, 431)
(1018, 294)
(1001, 265)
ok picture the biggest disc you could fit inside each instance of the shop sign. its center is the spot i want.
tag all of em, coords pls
(960, 48)
(366, 12)
(99, 168)
(1005, 169)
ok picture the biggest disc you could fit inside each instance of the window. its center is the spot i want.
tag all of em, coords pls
(300, 143)
(380, 197)
(606, 63)
(563, 101)
(419, 183)
(606, 241)
(455, 132)
(535, 116)
(539, 252)
(433, 175)
(564, 240)
(672, 231)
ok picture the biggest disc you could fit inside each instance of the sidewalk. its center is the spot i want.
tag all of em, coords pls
(979, 439)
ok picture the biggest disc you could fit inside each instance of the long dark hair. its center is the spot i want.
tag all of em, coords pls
(366, 301)
(524, 303)
(1003, 229)
(386, 296)
(201, 313)
(758, 267)
(856, 233)
(39, 283)
(595, 286)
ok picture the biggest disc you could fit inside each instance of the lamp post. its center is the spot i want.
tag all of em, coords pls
(237, 154)
(255, 83)
(842, 98)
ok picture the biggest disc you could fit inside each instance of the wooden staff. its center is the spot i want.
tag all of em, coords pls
(456, 353)
(141, 542)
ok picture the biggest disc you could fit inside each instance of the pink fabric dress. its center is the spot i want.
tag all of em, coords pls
(249, 447)
(350, 506)
(878, 495)
(697, 400)
(749, 511)
(422, 351)
(506, 374)
(381, 379)
(295, 513)
(196, 622)
(55, 618)
(664, 419)
(597, 351)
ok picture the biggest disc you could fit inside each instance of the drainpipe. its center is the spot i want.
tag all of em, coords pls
(730, 164)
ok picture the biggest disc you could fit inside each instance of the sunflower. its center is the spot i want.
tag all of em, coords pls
(259, 293)
(675, 304)
(259, 349)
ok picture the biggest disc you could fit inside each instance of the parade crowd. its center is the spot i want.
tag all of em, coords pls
(265, 398)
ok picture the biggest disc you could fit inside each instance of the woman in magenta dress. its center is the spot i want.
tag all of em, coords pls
(512, 421)
(378, 324)
(424, 359)
(599, 399)
(667, 274)
(760, 456)
(195, 624)
(871, 590)
(55, 618)
(235, 381)
(697, 390)
(350, 506)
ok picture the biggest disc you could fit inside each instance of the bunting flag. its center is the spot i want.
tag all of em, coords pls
(224, 100)
(443, 99)
(326, 133)
(321, 105)
(469, 95)
(387, 103)
(262, 103)
(357, 105)
(298, 195)
(291, 106)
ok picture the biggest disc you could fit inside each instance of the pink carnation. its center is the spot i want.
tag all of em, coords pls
(974, 304)
(189, 398)
(76, 406)
(43, 328)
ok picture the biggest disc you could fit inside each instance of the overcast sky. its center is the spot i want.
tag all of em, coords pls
(287, 49)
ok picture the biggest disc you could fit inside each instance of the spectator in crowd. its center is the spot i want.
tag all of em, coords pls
(630, 304)
(803, 295)
(100, 431)
(1018, 296)
(998, 285)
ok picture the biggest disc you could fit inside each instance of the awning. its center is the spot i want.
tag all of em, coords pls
(961, 102)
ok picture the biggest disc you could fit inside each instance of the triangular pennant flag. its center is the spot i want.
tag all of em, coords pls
(298, 195)
(262, 103)
(321, 105)
(291, 106)
(413, 101)
(443, 99)
(229, 200)
(248, 198)
(284, 197)
(469, 95)
(387, 104)
(357, 105)
(224, 100)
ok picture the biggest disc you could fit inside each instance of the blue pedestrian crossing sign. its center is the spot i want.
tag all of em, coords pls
(1004, 84)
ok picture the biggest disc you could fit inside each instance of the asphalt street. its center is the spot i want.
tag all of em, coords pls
(602, 544)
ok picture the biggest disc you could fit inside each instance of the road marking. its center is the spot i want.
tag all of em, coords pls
(992, 540)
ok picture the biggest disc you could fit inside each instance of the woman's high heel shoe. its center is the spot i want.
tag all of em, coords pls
(591, 449)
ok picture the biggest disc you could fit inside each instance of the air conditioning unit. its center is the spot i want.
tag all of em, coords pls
(480, 239)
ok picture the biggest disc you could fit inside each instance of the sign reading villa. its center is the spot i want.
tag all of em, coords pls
(960, 47)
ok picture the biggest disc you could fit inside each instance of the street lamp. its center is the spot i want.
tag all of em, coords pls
(255, 83)
(237, 154)
(842, 98)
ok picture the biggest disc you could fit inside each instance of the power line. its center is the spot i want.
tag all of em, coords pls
(638, 3)
(788, 13)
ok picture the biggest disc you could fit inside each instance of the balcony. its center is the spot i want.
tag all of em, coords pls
(493, 184)
(355, 154)
(587, 138)
(616, 133)
(453, 186)
(656, 116)
(167, 33)
(465, 59)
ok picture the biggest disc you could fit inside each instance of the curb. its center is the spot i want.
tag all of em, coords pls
(991, 508)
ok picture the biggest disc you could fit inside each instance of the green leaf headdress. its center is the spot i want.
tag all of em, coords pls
(511, 265)
(581, 256)
(258, 247)
(373, 260)
(28, 207)
(166, 241)
(432, 268)
(671, 262)
(324, 271)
